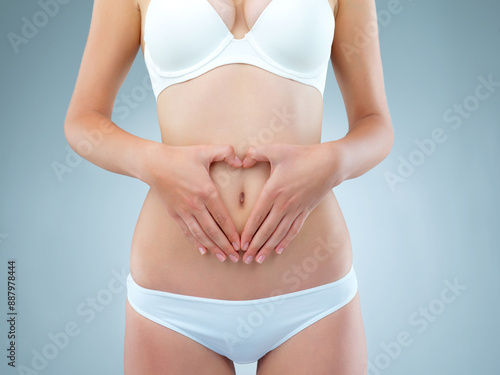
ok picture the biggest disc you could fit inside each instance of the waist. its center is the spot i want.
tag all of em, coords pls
(162, 258)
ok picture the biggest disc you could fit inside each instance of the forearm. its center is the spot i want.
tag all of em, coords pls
(367, 143)
(96, 138)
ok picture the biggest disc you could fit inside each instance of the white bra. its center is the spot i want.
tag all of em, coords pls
(186, 38)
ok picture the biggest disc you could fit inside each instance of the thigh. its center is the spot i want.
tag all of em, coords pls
(334, 345)
(152, 349)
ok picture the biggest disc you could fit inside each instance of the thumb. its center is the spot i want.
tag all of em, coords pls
(224, 153)
(255, 154)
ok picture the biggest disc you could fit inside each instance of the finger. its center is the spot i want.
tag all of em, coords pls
(186, 232)
(257, 215)
(292, 232)
(199, 234)
(255, 154)
(221, 216)
(280, 232)
(264, 232)
(216, 235)
(224, 153)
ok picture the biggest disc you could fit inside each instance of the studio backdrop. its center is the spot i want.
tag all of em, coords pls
(424, 223)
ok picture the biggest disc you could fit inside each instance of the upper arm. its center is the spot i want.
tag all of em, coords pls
(356, 59)
(112, 45)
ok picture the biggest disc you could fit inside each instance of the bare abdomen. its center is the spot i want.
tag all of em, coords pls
(242, 106)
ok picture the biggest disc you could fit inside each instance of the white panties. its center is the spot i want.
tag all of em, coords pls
(242, 330)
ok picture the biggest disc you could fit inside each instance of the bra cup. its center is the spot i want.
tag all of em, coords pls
(297, 38)
(179, 35)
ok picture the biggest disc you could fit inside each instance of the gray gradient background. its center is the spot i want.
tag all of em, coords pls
(71, 237)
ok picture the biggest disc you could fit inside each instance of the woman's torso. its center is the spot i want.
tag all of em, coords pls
(241, 105)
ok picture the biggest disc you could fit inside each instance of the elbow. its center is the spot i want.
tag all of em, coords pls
(75, 124)
(74, 129)
(388, 136)
(85, 129)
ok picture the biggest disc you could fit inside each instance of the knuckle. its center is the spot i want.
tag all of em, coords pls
(287, 204)
(211, 231)
(251, 151)
(257, 219)
(272, 193)
(294, 230)
(220, 219)
(302, 219)
(185, 232)
(267, 232)
(194, 203)
(291, 203)
(197, 233)
(200, 195)
(208, 192)
(280, 233)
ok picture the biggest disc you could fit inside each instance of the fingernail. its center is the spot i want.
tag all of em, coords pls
(248, 259)
(245, 246)
(202, 250)
(261, 258)
(280, 250)
(235, 246)
(237, 160)
(233, 258)
(220, 257)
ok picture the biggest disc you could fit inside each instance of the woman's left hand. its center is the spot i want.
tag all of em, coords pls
(301, 176)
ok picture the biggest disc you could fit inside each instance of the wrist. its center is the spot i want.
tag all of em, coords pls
(149, 156)
(336, 163)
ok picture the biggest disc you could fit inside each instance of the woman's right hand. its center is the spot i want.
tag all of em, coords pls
(179, 176)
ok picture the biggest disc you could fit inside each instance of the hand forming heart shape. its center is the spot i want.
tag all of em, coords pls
(284, 203)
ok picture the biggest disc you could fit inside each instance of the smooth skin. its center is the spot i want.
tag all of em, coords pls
(179, 178)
